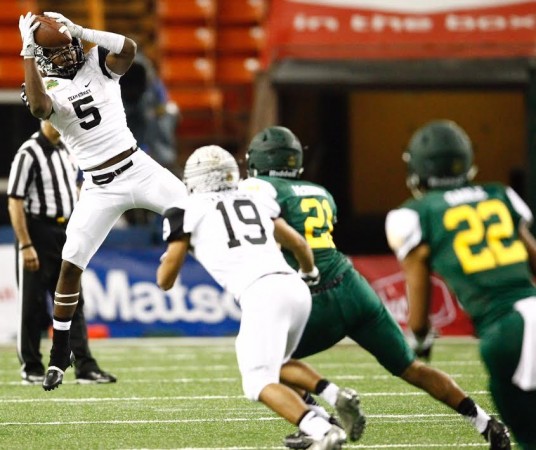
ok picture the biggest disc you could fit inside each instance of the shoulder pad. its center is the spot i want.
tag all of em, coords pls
(253, 184)
(403, 231)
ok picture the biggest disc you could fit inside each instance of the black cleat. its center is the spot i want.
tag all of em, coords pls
(54, 375)
(95, 377)
(298, 440)
(29, 378)
(497, 435)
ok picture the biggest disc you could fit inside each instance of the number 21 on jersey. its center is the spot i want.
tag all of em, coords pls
(322, 221)
(489, 237)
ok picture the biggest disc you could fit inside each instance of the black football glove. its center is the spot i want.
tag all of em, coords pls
(311, 278)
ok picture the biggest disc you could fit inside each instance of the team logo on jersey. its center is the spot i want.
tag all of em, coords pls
(51, 84)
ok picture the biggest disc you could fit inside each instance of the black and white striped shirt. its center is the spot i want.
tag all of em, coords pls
(45, 176)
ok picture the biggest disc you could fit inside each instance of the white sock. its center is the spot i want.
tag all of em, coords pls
(480, 421)
(329, 394)
(320, 411)
(314, 425)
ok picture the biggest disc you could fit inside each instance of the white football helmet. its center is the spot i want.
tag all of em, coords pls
(211, 169)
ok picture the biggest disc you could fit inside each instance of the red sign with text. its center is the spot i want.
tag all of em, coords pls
(348, 29)
(384, 275)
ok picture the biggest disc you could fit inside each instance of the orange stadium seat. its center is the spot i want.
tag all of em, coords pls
(241, 40)
(201, 111)
(186, 10)
(187, 70)
(236, 70)
(186, 39)
(242, 11)
(11, 10)
(10, 40)
(11, 72)
(197, 99)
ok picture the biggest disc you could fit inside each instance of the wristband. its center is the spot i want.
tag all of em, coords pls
(24, 247)
(312, 274)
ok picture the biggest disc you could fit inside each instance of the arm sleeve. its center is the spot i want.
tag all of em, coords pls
(173, 225)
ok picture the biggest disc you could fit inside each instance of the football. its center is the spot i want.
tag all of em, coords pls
(51, 34)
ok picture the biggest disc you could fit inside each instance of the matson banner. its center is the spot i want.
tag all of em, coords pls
(123, 300)
(347, 29)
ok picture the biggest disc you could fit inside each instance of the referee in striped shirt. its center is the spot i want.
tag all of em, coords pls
(42, 191)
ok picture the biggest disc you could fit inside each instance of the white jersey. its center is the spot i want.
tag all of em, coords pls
(231, 234)
(88, 111)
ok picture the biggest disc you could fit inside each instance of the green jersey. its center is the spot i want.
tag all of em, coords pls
(474, 245)
(311, 210)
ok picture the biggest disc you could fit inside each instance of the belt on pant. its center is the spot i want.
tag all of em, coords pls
(105, 178)
(331, 284)
(52, 220)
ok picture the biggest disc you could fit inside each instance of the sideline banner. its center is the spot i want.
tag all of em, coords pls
(123, 300)
(398, 29)
(386, 278)
(120, 291)
(8, 295)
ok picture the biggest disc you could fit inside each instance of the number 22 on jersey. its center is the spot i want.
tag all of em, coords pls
(489, 236)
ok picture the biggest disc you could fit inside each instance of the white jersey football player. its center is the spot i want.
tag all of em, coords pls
(231, 233)
(81, 97)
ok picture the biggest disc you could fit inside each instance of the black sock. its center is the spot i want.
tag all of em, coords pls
(309, 399)
(467, 407)
(322, 384)
(61, 337)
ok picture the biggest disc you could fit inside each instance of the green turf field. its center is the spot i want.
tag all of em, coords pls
(186, 394)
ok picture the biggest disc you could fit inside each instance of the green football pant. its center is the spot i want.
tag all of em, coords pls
(500, 347)
(351, 308)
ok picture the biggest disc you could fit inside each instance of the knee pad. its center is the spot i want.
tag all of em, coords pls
(255, 380)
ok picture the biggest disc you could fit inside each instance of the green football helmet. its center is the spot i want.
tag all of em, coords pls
(275, 152)
(439, 156)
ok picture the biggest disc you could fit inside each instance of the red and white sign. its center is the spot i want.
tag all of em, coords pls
(399, 29)
(384, 275)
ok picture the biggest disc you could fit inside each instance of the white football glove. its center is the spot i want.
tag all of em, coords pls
(311, 278)
(27, 26)
(422, 346)
(75, 30)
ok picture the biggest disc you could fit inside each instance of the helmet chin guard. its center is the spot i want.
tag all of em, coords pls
(61, 62)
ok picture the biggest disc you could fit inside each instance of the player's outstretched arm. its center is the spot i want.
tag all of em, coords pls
(290, 239)
(418, 291)
(122, 49)
(36, 98)
(171, 263)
